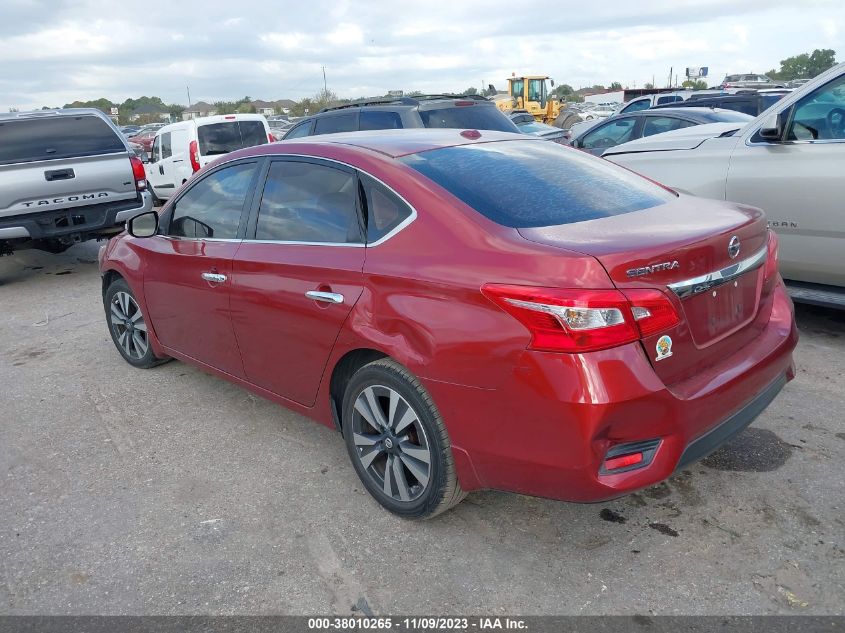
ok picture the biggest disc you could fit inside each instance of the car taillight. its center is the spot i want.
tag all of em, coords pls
(564, 320)
(138, 173)
(652, 310)
(194, 152)
(270, 138)
(772, 256)
(567, 320)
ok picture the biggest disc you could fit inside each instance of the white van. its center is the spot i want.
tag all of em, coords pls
(180, 149)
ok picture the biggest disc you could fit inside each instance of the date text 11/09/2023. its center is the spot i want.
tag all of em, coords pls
(478, 623)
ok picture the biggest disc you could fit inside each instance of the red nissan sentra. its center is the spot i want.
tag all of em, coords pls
(471, 310)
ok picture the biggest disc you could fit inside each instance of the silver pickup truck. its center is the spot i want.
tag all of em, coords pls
(65, 176)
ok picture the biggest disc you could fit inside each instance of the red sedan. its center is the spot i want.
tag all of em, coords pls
(471, 310)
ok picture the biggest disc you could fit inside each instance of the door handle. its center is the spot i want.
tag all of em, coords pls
(327, 297)
(214, 277)
(161, 169)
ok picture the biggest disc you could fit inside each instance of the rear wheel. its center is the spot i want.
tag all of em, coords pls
(128, 327)
(398, 443)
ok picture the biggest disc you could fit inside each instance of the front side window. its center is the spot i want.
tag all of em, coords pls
(211, 208)
(308, 202)
(347, 122)
(518, 87)
(537, 91)
(303, 129)
(155, 150)
(166, 147)
(659, 124)
(611, 134)
(536, 183)
(384, 209)
(820, 115)
(636, 106)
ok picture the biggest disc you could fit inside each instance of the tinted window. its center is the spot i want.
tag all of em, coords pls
(384, 209)
(47, 138)
(380, 120)
(212, 207)
(303, 129)
(306, 202)
(821, 114)
(336, 123)
(470, 117)
(610, 134)
(669, 99)
(636, 106)
(726, 116)
(222, 138)
(166, 147)
(659, 124)
(536, 183)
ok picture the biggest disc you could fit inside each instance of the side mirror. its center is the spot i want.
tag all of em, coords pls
(771, 130)
(143, 225)
(553, 82)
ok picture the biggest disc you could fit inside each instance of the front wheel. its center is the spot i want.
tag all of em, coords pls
(128, 327)
(398, 443)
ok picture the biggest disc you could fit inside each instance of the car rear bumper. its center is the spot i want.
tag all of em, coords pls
(82, 221)
(548, 432)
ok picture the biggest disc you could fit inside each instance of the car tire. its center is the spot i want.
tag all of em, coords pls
(392, 428)
(157, 202)
(128, 327)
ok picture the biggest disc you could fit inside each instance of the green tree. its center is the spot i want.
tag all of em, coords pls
(470, 91)
(563, 91)
(648, 86)
(805, 65)
(695, 84)
(616, 86)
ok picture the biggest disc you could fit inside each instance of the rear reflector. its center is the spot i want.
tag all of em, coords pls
(629, 456)
(623, 461)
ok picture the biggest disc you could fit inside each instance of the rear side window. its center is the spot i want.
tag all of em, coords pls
(336, 123)
(380, 120)
(222, 138)
(636, 106)
(212, 207)
(669, 99)
(307, 202)
(48, 138)
(659, 124)
(384, 209)
(470, 117)
(536, 183)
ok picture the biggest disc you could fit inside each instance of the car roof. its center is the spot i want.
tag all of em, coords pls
(393, 143)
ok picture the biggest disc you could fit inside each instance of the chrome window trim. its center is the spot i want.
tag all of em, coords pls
(703, 283)
(381, 240)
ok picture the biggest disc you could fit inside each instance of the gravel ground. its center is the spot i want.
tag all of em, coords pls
(169, 491)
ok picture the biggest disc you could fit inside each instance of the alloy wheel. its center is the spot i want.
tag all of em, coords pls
(128, 325)
(390, 443)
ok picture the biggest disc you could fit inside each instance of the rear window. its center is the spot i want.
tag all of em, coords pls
(222, 138)
(474, 117)
(524, 184)
(27, 140)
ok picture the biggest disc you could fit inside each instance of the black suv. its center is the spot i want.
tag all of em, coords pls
(432, 111)
(753, 103)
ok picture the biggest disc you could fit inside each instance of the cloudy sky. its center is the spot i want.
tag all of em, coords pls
(53, 52)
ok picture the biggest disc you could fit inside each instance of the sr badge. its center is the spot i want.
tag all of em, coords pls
(664, 347)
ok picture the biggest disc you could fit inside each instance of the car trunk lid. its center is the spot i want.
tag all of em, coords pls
(706, 256)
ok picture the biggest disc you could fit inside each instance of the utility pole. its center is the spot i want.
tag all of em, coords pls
(671, 69)
(325, 89)
(188, 88)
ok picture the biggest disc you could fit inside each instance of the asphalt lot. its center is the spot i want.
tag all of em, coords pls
(170, 491)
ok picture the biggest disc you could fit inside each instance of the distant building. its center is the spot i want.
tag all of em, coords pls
(150, 112)
(283, 106)
(200, 108)
(267, 108)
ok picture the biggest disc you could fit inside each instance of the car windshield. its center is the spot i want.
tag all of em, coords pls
(475, 117)
(535, 183)
(222, 138)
